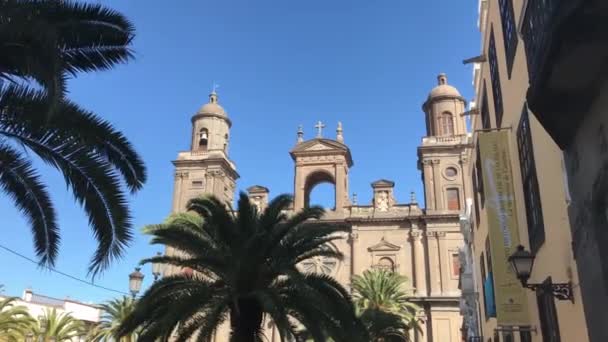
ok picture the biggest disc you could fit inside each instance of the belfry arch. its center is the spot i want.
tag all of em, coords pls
(316, 178)
(319, 161)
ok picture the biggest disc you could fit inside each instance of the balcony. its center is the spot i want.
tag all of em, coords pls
(566, 49)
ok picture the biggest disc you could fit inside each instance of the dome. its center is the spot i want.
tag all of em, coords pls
(443, 88)
(212, 107)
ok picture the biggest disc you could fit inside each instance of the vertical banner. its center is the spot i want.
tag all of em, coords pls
(511, 300)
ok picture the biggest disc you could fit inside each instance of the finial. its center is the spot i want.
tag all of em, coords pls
(319, 126)
(300, 134)
(413, 198)
(442, 79)
(339, 136)
(354, 198)
(213, 94)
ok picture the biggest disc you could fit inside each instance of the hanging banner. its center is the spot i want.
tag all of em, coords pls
(511, 298)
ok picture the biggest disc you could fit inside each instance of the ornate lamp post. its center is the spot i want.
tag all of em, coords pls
(135, 280)
(522, 262)
(157, 268)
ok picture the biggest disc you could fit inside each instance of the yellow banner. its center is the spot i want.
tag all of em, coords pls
(511, 300)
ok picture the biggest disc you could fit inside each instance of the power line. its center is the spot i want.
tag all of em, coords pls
(52, 269)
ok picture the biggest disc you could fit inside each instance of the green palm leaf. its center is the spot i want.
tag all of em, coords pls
(245, 271)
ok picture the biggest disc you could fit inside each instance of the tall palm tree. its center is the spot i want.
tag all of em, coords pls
(114, 313)
(58, 327)
(245, 269)
(42, 43)
(384, 305)
(15, 321)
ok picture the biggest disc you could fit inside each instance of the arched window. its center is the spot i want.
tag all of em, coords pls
(203, 139)
(387, 264)
(453, 197)
(225, 142)
(446, 122)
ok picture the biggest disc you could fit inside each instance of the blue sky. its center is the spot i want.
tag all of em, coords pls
(281, 63)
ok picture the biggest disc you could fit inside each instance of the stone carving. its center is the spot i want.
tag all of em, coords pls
(318, 147)
(382, 201)
(181, 174)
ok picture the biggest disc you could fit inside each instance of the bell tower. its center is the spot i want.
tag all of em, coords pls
(206, 168)
(321, 160)
(442, 154)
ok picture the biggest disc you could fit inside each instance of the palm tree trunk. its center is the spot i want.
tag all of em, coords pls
(245, 321)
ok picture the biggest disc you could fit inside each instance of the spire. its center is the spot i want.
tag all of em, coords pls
(354, 198)
(300, 134)
(413, 198)
(213, 94)
(339, 136)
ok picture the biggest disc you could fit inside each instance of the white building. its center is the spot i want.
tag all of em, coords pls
(38, 304)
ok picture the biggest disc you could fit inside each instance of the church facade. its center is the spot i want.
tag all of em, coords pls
(420, 243)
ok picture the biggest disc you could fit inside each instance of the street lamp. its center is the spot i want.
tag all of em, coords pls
(135, 280)
(522, 262)
(157, 268)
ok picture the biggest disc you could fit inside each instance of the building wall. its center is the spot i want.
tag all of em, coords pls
(554, 258)
(587, 166)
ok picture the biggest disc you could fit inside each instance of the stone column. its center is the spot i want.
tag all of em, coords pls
(341, 193)
(442, 255)
(178, 195)
(429, 188)
(422, 335)
(298, 191)
(437, 184)
(416, 238)
(353, 238)
(434, 263)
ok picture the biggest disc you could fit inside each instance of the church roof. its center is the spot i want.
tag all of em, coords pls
(322, 146)
(212, 107)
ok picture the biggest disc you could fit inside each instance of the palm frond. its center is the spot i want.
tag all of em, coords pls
(23, 185)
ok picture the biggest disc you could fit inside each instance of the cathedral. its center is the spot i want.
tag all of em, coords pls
(420, 243)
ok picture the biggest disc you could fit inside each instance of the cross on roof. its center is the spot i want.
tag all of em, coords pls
(319, 126)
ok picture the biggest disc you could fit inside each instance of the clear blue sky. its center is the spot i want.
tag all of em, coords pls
(281, 63)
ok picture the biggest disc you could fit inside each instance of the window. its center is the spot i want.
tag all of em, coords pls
(485, 112)
(534, 212)
(507, 336)
(387, 264)
(482, 270)
(479, 173)
(489, 255)
(525, 336)
(446, 122)
(203, 138)
(476, 196)
(455, 264)
(451, 172)
(509, 31)
(496, 91)
(453, 197)
(548, 315)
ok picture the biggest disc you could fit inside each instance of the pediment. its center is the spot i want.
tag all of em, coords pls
(321, 146)
(383, 245)
(257, 188)
(383, 183)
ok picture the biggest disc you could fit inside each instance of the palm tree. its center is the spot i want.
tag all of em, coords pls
(384, 305)
(15, 321)
(58, 327)
(42, 43)
(114, 313)
(47, 41)
(245, 270)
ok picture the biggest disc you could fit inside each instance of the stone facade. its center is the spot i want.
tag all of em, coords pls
(420, 243)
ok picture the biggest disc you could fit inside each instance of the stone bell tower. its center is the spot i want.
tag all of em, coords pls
(321, 160)
(206, 168)
(442, 155)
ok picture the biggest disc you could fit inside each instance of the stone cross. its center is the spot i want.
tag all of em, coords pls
(319, 126)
